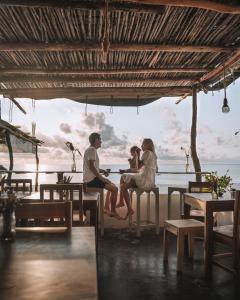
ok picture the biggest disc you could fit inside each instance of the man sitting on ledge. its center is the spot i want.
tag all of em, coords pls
(91, 172)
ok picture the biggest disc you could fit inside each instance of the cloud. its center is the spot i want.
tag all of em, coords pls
(89, 120)
(110, 140)
(220, 141)
(65, 128)
(81, 133)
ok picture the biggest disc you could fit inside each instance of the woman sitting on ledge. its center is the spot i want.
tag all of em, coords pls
(144, 178)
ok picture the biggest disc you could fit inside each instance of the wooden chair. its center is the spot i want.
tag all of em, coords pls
(45, 211)
(65, 192)
(229, 235)
(181, 228)
(19, 185)
(199, 187)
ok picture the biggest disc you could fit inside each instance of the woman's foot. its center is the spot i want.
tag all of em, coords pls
(107, 212)
(120, 204)
(129, 213)
(116, 216)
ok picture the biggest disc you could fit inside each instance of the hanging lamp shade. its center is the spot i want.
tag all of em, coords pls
(225, 107)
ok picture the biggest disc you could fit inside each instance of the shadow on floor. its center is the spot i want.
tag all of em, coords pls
(130, 268)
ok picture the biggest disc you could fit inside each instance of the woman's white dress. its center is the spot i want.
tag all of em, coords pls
(145, 178)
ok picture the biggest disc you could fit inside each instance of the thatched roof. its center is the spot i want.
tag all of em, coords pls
(119, 53)
(15, 131)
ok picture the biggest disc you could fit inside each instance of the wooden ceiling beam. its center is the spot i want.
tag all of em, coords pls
(41, 93)
(201, 4)
(217, 71)
(93, 81)
(18, 105)
(113, 6)
(93, 46)
(29, 71)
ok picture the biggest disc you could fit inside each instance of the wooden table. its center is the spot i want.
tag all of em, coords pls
(205, 202)
(90, 202)
(49, 266)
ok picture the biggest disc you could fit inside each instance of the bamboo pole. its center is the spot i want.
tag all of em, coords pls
(93, 81)
(202, 4)
(93, 46)
(113, 6)
(196, 162)
(70, 71)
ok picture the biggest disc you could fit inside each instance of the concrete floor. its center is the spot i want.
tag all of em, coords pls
(131, 268)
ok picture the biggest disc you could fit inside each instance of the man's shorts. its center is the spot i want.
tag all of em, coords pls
(96, 182)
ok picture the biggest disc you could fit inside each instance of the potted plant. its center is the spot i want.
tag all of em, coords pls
(73, 150)
(7, 208)
(220, 183)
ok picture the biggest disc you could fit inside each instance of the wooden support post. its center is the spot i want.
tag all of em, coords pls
(10, 151)
(37, 168)
(196, 163)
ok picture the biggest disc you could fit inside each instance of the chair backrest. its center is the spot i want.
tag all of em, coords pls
(236, 223)
(63, 192)
(199, 187)
(23, 185)
(46, 211)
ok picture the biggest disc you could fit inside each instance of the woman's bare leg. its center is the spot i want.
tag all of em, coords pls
(124, 190)
(121, 198)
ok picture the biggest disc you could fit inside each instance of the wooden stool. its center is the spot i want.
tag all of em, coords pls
(181, 228)
(101, 204)
(181, 191)
(139, 192)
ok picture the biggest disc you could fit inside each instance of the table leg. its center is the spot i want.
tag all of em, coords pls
(187, 208)
(138, 214)
(169, 204)
(102, 212)
(208, 239)
(157, 212)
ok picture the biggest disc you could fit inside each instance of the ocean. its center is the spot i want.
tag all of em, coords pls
(162, 180)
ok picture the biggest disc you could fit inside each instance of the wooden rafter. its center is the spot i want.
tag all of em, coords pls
(113, 6)
(202, 4)
(93, 46)
(93, 81)
(17, 104)
(98, 92)
(170, 69)
(217, 71)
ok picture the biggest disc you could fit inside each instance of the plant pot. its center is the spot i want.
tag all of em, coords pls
(9, 224)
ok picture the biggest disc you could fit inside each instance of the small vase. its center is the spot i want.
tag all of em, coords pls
(214, 195)
(9, 225)
(74, 168)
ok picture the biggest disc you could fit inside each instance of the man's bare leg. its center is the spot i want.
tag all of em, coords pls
(112, 188)
(107, 209)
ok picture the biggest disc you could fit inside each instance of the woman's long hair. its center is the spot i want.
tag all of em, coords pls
(150, 145)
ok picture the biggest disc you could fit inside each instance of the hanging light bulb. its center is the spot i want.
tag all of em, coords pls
(225, 107)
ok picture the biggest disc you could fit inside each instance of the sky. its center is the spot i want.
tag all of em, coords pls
(167, 123)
